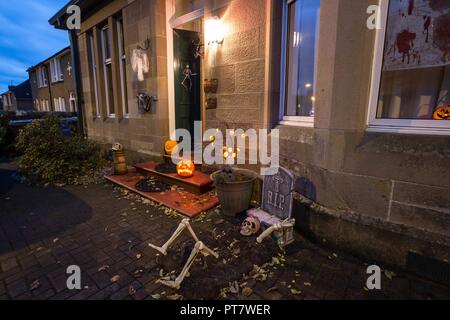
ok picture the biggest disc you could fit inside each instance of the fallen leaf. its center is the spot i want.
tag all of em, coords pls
(115, 278)
(389, 274)
(247, 292)
(156, 296)
(131, 290)
(307, 284)
(234, 287)
(103, 268)
(295, 292)
(175, 297)
(55, 240)
(138, 256)
(36, 284)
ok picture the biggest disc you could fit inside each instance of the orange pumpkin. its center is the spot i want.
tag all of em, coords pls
(185, 168)
(442, 113)
(170, 146)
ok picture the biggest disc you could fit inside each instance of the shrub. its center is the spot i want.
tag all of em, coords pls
(6, 134)
(49, 157)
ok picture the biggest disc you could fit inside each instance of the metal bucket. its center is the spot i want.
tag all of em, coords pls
(235, 197)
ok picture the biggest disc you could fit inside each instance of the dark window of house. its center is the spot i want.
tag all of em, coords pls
(106, 53)
(122, 65)
(303, 17)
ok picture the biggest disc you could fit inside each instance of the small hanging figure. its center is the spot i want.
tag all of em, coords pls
(140, 63)
(198, 49)
(69, 69)
(187, 72)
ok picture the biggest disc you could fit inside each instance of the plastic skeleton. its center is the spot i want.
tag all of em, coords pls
(199, 247)
(187, 73)
(283, 232)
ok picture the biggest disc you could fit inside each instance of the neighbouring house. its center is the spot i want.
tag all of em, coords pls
(356, 107)
(52, 83)
(18, 98)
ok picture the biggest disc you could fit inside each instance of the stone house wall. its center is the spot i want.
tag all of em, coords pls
(383, 195)
(57, 89)
(141, 132)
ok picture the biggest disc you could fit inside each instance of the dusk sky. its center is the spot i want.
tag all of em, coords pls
(26, 37)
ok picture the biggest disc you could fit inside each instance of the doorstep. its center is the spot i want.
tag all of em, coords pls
(199, 183)
(183, 201)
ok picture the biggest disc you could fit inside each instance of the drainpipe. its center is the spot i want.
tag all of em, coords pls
(77, 79)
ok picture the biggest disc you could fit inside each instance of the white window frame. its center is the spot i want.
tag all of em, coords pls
(411, 126)
(55, 70)
(94, 73)
(72, 102)
(42, 77)
(107, 62)
(56, 105)
(122, 70)
(62, 104)
(298, 121)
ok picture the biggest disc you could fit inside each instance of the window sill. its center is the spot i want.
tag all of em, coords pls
(309, 123)
(409, 130)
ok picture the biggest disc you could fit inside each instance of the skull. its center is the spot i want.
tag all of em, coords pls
(117, 147)
(250, 226)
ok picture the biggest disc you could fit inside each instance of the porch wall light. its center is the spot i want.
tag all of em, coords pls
(214, 31)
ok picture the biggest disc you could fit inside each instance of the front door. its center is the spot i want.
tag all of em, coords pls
(187, 77)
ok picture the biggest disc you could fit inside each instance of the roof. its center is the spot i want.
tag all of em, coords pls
(21, 91)
(88, 7)
(49, 58)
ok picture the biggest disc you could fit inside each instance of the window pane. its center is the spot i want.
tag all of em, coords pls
(415, 77)
(106, 43)
(303, 30)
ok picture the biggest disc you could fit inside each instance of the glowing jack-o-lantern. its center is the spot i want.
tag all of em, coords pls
(442, 113)
(185, 168)
(170, 146)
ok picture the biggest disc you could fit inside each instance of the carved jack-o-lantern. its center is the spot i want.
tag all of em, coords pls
(170, 146)
(185, 168)
(442, 113)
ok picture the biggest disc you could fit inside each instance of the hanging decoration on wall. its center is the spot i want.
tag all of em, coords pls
(198, 49)
(145, 101)
(140, 63)
(442, 113)
(187, 81)
(69, 69)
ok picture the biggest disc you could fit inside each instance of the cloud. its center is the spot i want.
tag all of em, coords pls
(26, 37)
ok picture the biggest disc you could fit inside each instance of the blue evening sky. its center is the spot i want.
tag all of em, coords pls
(26, 37)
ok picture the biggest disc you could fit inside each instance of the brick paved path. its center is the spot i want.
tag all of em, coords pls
(106, 233)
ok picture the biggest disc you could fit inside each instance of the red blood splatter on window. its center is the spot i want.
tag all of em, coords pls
(405, 42)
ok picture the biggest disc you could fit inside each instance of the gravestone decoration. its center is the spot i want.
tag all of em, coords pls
(276, 208)
(277, 194)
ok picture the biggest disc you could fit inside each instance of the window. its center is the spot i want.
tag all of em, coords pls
(55, 70)
(36, 105)
(62, 104)
(42, 77)
(411, 71)
(94, 71)
(106, 54)
(122, 65)
(300, 35)
(72, 103)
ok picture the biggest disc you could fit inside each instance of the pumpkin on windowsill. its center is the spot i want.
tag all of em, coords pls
(442, 113)
(185, 168)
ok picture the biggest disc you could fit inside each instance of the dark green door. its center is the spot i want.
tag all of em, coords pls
(187, 70)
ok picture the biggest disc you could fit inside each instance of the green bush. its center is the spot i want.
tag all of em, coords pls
(49, 157)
